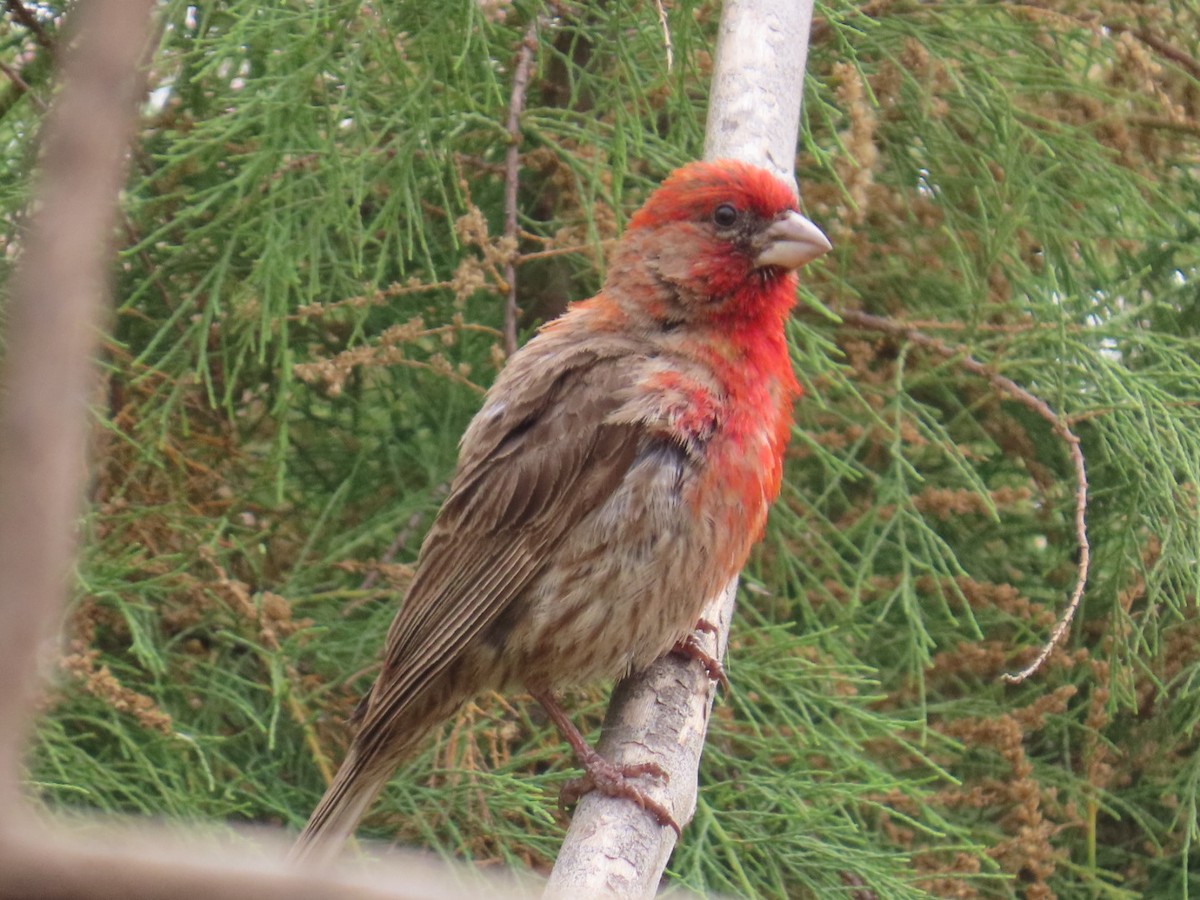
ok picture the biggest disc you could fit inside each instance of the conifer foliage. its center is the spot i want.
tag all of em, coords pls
(311, 296)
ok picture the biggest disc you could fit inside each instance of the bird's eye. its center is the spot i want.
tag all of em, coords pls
(725, 215)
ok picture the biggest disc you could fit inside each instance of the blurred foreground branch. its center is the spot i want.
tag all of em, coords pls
(54, 312)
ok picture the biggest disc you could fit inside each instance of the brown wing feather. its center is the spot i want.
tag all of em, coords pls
(531, 469)
(544, 451)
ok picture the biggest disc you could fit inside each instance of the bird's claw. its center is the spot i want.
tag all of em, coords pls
(689, 647)
(616, 781)
(706, 626)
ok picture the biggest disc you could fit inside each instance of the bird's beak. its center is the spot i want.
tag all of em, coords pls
(791, 241)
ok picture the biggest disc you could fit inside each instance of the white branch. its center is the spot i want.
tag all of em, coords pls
(758, 83)
(613, 849)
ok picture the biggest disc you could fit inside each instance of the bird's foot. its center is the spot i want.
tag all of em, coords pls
(601, 775)
(616, 781)
(689, 648)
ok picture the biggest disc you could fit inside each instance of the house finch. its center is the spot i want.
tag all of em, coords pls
(613, 482)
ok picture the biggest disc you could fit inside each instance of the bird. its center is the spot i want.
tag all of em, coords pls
(615, 479)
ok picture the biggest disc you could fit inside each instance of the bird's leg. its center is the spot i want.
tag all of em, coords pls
(689, 647)
(600, 774)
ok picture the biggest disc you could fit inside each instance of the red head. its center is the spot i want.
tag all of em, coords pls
(717, 241)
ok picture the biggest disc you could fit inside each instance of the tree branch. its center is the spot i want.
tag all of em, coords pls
(54, 316)
(613, 849)
(123, 863)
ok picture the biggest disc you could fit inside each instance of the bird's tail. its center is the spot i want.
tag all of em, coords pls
(338, 813)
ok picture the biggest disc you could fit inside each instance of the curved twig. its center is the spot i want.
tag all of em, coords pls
(1013, 390)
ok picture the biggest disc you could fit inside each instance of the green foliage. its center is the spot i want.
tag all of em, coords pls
(310, 298)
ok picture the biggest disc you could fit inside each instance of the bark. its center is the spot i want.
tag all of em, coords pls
(612, 848)
(54, 313)
(143, 864)
(55, 310)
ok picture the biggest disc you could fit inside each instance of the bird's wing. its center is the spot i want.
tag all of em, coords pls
(536, 460)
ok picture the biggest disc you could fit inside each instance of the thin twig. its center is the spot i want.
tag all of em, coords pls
(1021, 327)
(396, 546)
(22, 14)
(512, 164)
(376, 298)
(15, 77)
(870, 10)
(1094, 22)
(304, 718)
(134, 238)
(1162, 123)
(1090, 21)
(1040, 407)
(563, 251)
(1156, 43)
(666, 30)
